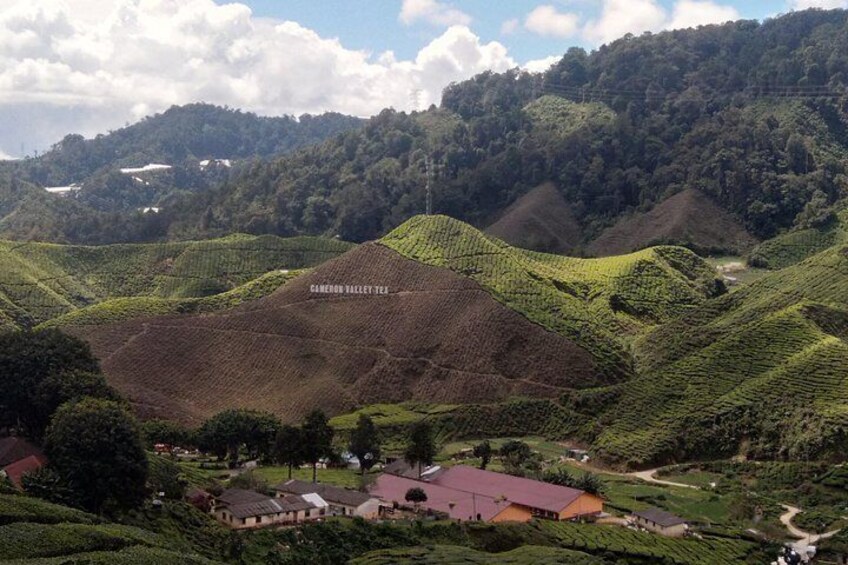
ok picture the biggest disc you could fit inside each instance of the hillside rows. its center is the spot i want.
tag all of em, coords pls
(763, 370)
(437, 336)
(41, 281)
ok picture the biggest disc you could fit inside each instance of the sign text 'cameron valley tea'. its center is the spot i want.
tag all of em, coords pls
(347, 289)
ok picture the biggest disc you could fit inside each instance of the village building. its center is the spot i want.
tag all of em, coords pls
(242, 509)
(340, 501)
(19, 457)
(467, 494)
(660, 522)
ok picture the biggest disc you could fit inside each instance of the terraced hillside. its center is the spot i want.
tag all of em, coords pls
(762, 371)
(464, 319)
(39, 281)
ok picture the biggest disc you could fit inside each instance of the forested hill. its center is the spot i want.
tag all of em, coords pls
(193, 132)
(748, 119)
(200, 145)
(753, 115)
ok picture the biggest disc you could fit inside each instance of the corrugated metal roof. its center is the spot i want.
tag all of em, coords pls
(330, 493)
(525, 492)
(660, 517)
(457, 504)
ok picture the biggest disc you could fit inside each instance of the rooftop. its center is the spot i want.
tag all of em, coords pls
(329, 493)
(457, 504)
(526, 492)
(18, 469)
(14, 449)
(660, 517)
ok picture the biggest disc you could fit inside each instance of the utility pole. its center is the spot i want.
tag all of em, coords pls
(415, 99)
(428, 163)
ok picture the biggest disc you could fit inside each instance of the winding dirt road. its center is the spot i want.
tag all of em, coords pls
(811, 539)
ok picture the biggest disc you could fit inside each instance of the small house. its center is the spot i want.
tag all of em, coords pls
(340, 501)
(243, 509)
(18, 457)
(660, 522)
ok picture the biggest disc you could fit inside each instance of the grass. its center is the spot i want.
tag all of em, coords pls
(348, 478)
(40, 281)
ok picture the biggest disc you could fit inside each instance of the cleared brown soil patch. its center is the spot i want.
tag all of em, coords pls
(688, 218)
(540, 220)
(436, 337)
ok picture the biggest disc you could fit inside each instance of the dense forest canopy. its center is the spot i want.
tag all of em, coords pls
(754, 115)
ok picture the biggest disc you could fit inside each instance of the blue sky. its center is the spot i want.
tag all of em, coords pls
(374, 25)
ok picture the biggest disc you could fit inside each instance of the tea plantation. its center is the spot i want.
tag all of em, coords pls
(40, 281)
(598, 303)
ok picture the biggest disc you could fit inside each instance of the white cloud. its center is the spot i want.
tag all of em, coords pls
(692, 13)
(827, 4)
(5, 156)
(62, 72)
(433, 12)
(619, 17)
(545, 20)
(541, 65)
(510, 26)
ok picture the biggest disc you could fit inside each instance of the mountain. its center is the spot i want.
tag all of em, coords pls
(194, 132)
(643, 356)
(816, 234)
(111, 188)
(747, 114)
(40, 281)
(540, 220)
(464, 319)
(688, 218)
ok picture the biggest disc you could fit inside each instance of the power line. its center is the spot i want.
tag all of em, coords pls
(581, 94)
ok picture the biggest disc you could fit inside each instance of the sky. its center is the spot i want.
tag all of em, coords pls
(90, 66)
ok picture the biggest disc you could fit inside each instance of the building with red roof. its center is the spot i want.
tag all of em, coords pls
(18, 457)
(466, 493)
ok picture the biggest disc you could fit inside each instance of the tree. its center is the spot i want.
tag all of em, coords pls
(483, 451)
(421, 448)
(289, 447)
(365, 443)
(58, 388)
(515, 454)
(416, 495)
(226, 433)
(95, 446)
(166, 431)
(559, 477)
(317, 440)
(27, 360)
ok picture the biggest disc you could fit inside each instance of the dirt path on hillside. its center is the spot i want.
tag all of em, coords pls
(809, 538)
(649, 476)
